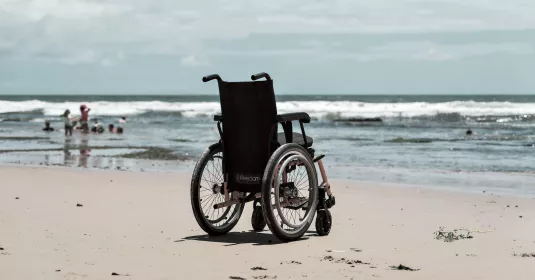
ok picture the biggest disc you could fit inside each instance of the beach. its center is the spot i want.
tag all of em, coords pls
(67, 223)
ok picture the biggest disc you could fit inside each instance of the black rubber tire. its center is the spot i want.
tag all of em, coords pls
(267, 182)
(257, 219)
(324, 222)
(194, 195)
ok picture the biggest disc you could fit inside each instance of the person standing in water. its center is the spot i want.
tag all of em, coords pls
(84, 118)
(68, 122)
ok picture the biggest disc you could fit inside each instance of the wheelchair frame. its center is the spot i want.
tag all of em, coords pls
(323, 189)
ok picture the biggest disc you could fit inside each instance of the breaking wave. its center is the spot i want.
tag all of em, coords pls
(446, 111)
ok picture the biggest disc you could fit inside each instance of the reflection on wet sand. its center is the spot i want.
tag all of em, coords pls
(84, 150)
(68, 158)
(76, 151)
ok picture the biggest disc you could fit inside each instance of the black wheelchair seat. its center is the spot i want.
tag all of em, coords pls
(297, 138)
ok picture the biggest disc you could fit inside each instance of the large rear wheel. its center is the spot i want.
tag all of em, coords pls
(207, 190)
(289, 192)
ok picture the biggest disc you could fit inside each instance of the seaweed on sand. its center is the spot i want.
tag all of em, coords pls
(30, 150)
(525, 255)
(22, 138)
(403, 267)
(180, 140)
(409, 140)
(154, 153)
(450, 236)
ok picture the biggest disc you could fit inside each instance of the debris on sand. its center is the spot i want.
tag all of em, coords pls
(58, 270)
(450, 236)
(525, 255)
(343, 260)
(155, 153)
(258, 268)
(292, 262)
(402, 267)
(117, 274)
(264, 277)
(236, 278)
(355, 250)
(335, 251)
(4, 253)
(79, 205)
(17, 197)
(409, 140)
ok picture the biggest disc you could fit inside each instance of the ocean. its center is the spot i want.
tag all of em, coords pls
(421, 139)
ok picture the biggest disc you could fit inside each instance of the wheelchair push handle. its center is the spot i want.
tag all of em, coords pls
(260, 76)
(211, 77)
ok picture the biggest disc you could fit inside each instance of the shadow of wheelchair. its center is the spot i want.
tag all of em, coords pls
(244, 237)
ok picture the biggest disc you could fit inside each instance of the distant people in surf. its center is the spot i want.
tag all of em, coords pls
(68, 122)
(113, 129)
(120, 126)
(84, 110)
(469, 132)
(82, 123)
(47, 127)
(119, 129)
(97, 127)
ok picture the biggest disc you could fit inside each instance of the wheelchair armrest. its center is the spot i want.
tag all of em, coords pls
(218, 118)
(299, 116)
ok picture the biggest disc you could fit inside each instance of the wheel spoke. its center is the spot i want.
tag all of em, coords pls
(288, 199)
(209, 193)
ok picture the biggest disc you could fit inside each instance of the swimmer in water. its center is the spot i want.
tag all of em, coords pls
(469, 131)
(48, 127)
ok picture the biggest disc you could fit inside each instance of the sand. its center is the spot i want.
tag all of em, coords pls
(140, 226)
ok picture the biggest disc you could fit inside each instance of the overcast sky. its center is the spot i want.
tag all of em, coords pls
(313, 46)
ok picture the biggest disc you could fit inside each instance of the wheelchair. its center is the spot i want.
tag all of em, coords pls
(253, 162)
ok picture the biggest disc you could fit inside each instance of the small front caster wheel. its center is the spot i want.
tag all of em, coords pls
(257, 219)
(323, 222)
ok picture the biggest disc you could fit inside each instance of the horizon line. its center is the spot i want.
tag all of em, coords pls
(217, 94)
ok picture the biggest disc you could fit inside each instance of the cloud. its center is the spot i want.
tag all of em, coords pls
(426, 50)
(6, 84)
(94, 31)
(193, 61)
(429, 51)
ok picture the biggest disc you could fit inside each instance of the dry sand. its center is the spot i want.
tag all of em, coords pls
(140, 225)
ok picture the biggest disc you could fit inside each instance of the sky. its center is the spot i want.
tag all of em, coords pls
(308, 47)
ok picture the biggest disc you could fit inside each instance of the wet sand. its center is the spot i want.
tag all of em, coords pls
(63, 223)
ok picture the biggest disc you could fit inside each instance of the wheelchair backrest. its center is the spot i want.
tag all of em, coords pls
(249, 114)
